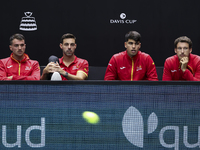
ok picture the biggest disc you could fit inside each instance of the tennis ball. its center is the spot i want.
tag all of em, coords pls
(90, 117)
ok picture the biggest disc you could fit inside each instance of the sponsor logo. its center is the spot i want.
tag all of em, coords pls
(10, 66)
(122, 15)
(27, 136)
(122, 68)
(75, 68)
(123, 20)
(27, 68)
(133, 129)
(138, 68)
(28, 23)
(173, 70)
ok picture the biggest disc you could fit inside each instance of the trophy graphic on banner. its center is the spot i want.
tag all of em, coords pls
(28, 23)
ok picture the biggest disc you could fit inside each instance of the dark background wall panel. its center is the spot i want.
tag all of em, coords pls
(159, 22)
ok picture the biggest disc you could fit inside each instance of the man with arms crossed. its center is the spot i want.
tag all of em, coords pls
(69, 66)
(183, 65)
(131, 64)
(19, 66)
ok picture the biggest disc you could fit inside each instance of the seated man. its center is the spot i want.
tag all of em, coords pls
(183, 65)
(131, 64)
(69, 66)
(19, 66)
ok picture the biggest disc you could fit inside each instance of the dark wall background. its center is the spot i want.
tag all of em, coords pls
(159, 22)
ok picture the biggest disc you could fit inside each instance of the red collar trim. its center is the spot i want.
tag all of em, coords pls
(61, 60)
(26, 57)
(134, 57)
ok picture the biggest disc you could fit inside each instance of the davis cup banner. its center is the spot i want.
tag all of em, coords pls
(99, 115)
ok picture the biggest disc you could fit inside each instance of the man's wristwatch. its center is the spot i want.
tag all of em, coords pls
(66, 74)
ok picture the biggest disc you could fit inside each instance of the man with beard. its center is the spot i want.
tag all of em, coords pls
(19, 66)
(183, 65)
(69, 66)
(132, 64)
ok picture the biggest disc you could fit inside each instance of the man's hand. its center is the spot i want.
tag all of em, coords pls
(59, 69)
(184, 62)
(50, 68)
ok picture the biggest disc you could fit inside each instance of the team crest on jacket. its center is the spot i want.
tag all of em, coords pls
(139, 68)
(75, 68)
(28, 68)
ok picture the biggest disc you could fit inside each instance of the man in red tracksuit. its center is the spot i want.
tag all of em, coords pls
(131, 64)
(69, 67)
(19, 66)
(183, 65)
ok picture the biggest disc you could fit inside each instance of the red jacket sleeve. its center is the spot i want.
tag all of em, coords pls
(35, 75)
(151, 70)
(187, 75)
(84, 67)
(111, 71)
(3, 74)
(166, 72)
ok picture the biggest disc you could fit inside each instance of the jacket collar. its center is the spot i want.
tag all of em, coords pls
(26, 57)
(134, 57)
(61, 60)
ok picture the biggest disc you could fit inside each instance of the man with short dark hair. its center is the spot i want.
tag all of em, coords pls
(19, 66)
(131, 64)
(183, 65)
(69, 66)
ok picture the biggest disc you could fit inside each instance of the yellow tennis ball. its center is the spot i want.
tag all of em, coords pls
(90, 117)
